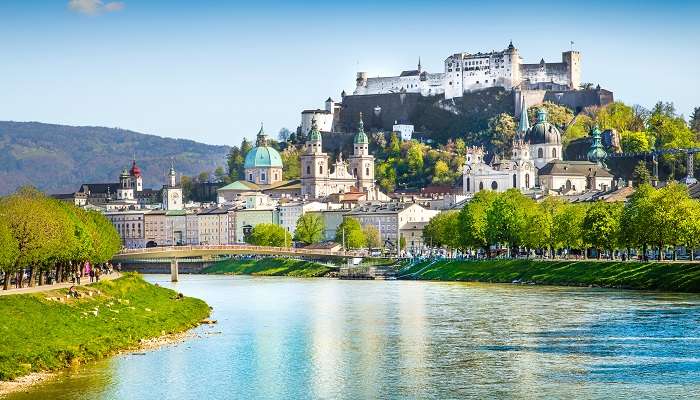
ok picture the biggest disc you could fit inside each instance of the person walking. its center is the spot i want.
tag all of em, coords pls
(97, 274)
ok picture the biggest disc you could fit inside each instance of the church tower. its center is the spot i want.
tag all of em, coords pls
(172, 192)
(125, 192)
(314, 166)
(361, 162)
(136, 178)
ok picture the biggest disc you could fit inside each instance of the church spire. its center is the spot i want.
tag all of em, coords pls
(419, 66)
(524, 124)
(262, 137)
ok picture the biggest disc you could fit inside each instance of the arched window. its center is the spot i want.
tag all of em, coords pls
(468, 184)
(527, 181)
(554, 153)
(320, 169)
(354, 172)
(308, 170)
(262, 178)
(515, 181)
(494, 185)
(367, 171)
(568, 184)
(481, 185)
(540, 153)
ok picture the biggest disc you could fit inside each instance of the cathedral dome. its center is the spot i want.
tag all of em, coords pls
(543, 132)
(262, 155)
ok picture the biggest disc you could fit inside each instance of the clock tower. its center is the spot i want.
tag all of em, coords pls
(172, 193)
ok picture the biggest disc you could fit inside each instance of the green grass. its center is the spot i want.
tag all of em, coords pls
(680, 277)
(40, 334)
(269, 267)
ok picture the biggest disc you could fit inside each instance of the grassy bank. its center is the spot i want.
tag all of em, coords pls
(681, 277)
(269, 267)
(46, 331)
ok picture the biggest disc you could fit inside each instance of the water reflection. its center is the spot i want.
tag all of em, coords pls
(326, 339)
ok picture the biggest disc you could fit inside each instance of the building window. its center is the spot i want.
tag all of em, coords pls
(527, 181)
(308, 170)
(250, 177)
(263, 177)
(554, 153)
(367, 171)
(354, 172)
(320, 169)
(494, 185)
(540, 153)
(481, 185)
(468, 184)
(515, 181)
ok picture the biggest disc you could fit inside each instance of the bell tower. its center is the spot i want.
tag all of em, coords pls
(314, 165)
(172, 192)
(361, 162)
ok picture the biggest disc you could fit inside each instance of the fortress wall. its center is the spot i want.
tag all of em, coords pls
(394, 107)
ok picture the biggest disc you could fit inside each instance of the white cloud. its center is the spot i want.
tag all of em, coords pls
(95, 7)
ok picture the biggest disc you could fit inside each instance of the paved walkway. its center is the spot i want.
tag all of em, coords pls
(85, 281)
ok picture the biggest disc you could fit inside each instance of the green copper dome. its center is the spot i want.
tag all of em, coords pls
(314, 134)
(543, 132)
(262, 155)
(596, 153)
(361, 137)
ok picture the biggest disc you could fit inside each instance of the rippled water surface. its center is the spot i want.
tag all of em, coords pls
(283, 338)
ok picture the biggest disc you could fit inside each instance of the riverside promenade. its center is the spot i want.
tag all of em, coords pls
(62, 285)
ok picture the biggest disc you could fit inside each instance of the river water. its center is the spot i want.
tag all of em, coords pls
(285, 338)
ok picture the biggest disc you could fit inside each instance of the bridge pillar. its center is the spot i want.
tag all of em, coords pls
(173, 270)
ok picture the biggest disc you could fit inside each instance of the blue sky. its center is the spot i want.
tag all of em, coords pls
(213, 70)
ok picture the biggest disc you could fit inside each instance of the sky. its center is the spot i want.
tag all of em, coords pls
(212, 71)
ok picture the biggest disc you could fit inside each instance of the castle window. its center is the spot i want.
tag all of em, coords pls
(540, 153)
(494, 185)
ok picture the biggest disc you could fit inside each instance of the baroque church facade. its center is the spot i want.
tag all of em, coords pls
(536, 162)
(320, 178)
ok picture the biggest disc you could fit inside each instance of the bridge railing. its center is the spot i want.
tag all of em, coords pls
(238, 247)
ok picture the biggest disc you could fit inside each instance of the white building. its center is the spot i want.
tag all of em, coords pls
(131, 227)
(394, 220)
(289, 213)
(213, 226)
(324, 118)
(317, 178)
(405, 130)
(465, 72)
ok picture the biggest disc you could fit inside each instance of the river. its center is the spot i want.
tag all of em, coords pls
(285, 338)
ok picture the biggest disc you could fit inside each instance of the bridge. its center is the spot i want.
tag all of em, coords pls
(176, 253)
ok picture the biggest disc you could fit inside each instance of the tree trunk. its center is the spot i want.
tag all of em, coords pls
(645, 247)
(20, 275)
(6, 284)
(31, 277)
(661, 252)
(41, 277)
(59, 272)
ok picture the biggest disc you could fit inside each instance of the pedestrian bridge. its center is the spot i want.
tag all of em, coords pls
(174, 254)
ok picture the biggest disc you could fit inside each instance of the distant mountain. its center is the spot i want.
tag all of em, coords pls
(58, 158)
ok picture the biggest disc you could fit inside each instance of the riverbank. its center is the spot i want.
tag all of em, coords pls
(672, 277)
(47, 331)
(271, 267)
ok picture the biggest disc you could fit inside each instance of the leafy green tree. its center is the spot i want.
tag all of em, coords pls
(443, 230)
(690, 227)
(507, 218)
(106, 240)
(601, 225)
(269, 235)
(441, 173)
(695, 123)
(637, 217)
(310, 228)
(641, 174)
(580, 128)
(670, 211)
(291, 158)
(394, 149)
(414, 157)
(502, 128)
(541, 227)
(372, 237)
(635, 142)
(9, 248)
(235, 161)
(669, 129)
(460, 147)
(473, 221)
(558, 115)
(386, 176)
(351, 230)
(617, 115)
(568, 226)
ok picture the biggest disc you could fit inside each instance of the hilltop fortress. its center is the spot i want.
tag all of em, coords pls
(466, 72)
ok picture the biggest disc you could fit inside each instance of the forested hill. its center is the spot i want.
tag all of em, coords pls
(58, 158)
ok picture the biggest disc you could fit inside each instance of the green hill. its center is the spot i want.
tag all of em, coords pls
(58, 158)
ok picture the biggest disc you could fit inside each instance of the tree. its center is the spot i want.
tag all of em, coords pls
(580, 128)
(443, 230)
(386, 176)
(637, 217)
(394, 149)
(616, 115)
(414, 157)
(221, 176)
(441, 173)
(568, 226)
(291, 158)
(502, 128)
(635, 142)
(473, 221)
(351, 231)
(541, 228)
(9, 248)
(460, 147)
(695, 122)
(372, 237)
(601, 225)
(269, 235)
(507, 218)
(670, 210)
(557, 115)
(309, 229)
(641, 174)
(669, 129)
(284, 135)
(235, 161)
(203, 176)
